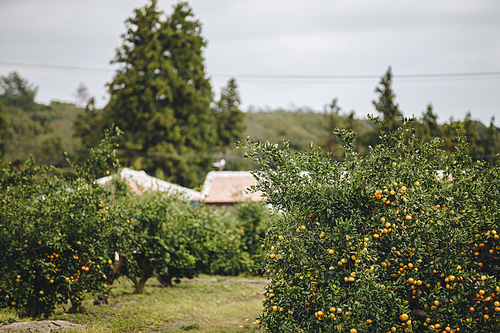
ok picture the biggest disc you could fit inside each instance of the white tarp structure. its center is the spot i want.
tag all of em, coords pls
(140, 181)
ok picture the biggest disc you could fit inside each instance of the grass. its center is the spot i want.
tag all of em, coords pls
(204, 304)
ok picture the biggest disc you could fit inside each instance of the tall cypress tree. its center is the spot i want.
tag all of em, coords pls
(386, 105)
(160, 97)
(229, 118)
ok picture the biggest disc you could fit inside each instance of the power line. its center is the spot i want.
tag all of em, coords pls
(159, 154)
(451, 76)
(48, 66)
(120, 152)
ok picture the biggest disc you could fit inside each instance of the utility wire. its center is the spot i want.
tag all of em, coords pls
(145, 153)
(453, 76)
(121, 152)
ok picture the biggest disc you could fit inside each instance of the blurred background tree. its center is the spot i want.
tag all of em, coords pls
(160, 97)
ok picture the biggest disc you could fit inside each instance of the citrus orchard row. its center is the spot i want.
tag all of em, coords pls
(63, 239)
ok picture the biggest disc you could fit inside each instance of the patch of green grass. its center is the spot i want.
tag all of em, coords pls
(206, 304)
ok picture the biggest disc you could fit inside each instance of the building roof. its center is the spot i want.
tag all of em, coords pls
(228, 187)
(140, 181)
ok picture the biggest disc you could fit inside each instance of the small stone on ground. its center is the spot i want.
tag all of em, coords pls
(43, 326)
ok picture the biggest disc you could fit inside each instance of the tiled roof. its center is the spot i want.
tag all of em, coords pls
(228, 187)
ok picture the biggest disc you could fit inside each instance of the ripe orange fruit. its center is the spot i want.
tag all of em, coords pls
(403, 317)
(41, 292)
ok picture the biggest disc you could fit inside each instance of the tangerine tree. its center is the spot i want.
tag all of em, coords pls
(172, 239)
(54, 234)
(404, 239)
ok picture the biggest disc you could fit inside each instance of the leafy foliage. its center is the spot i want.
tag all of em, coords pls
(381, 243)
(54, 234)
(16, 91)
(172, 239)
(253, 218)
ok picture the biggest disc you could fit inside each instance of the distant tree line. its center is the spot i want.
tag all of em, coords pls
(484, 142)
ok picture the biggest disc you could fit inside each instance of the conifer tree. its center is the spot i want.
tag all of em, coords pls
(229, 118)
(160, 96)
(428, 127)
(386, 105)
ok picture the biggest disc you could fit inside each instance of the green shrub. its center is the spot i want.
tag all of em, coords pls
(172, 239)
(54, 236)
(253, 218)
(380, 243)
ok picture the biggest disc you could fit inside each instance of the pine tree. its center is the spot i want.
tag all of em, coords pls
(230, 121)
(428, 127)
(160, 97)
(386, 105)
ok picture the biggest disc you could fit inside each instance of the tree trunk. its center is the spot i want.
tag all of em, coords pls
(31, 310)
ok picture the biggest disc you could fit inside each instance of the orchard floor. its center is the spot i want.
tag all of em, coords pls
(206, 304)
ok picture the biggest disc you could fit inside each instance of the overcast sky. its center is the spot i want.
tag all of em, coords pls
(279, 39)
